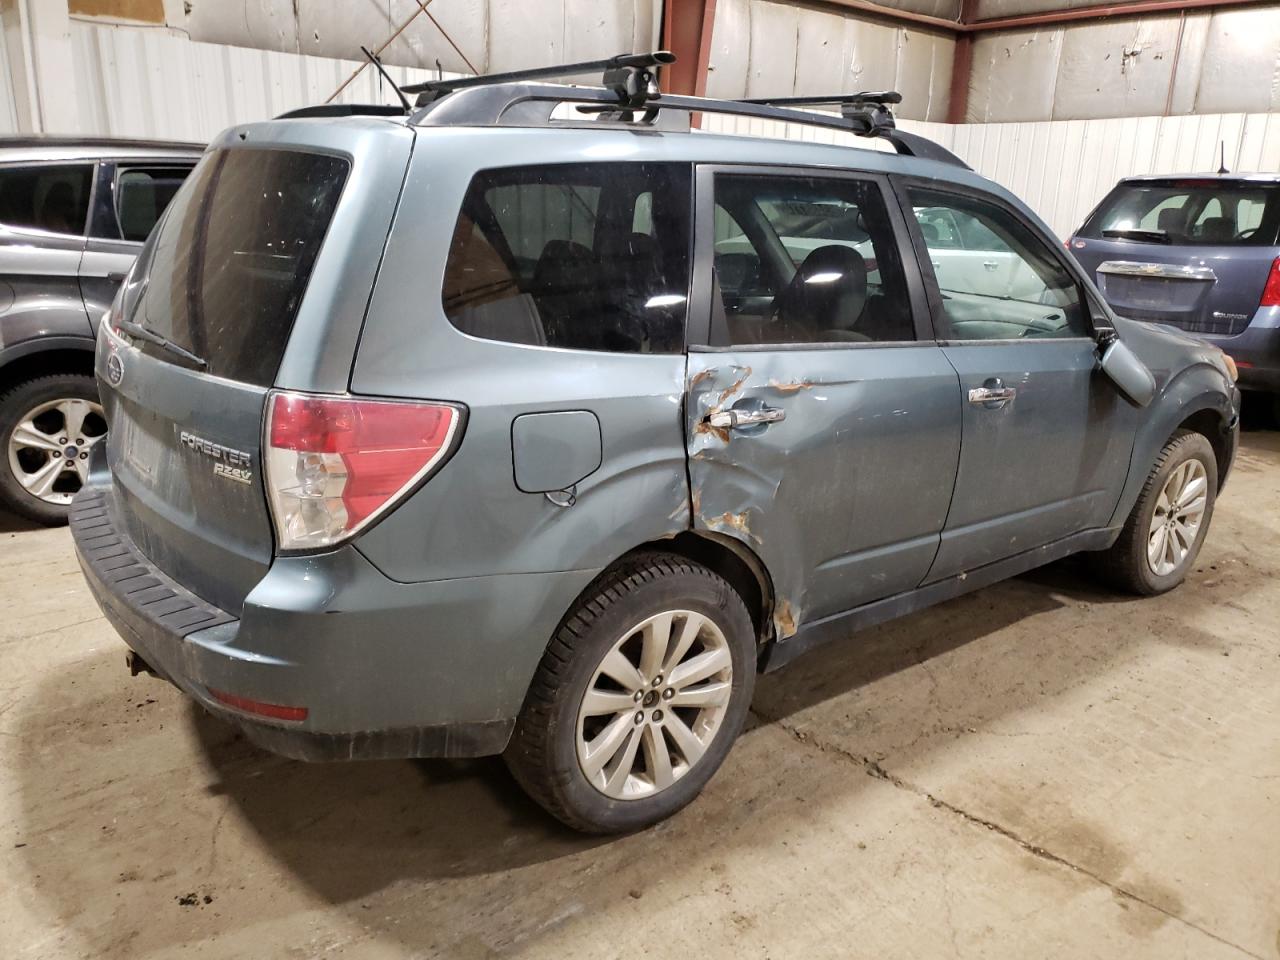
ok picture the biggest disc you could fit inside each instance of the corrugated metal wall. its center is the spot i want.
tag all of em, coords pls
(1063, 168)
(153, 83)
(761, 48)
(1219, 61)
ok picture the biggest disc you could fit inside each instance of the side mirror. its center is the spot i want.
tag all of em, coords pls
(1126, 371)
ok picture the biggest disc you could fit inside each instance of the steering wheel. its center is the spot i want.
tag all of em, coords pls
(1246, 234)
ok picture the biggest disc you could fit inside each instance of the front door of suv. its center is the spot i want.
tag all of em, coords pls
(822, 419)
(1046, 436)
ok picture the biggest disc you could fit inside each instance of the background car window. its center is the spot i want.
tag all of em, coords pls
(1011, 285)
(1188, 211)
(586, 257)
(48, 197)
(807, 260)
(142, 195)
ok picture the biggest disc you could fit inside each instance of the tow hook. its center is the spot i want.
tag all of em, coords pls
(137, 665)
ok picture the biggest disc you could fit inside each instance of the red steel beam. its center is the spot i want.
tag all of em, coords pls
(686, 32)
(962, 67)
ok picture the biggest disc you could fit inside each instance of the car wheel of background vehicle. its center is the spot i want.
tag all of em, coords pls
(48, 425)
(639, 696)
(1167, 525)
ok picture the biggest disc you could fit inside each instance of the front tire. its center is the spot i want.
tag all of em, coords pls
(1167, 526)
(47, 427)
(638, 698)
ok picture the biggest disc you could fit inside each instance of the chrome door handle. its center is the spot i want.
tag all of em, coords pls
(728, 419)
(995, 396)
(990, 264)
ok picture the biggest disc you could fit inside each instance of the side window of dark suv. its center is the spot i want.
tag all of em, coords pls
(52, 197)
(578, 256)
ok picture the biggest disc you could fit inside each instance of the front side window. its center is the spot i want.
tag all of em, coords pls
(807, 260)
(577, 256)
(142, 193)
(52, 197)
(1003, 282)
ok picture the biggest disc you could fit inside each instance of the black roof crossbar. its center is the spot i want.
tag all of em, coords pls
(629, 75)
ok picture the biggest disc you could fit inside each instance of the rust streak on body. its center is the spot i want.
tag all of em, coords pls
(784, 620)
(734, 387)
(792, 387)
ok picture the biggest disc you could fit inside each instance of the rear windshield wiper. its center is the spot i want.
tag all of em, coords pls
(1150, 236)
(142, 333)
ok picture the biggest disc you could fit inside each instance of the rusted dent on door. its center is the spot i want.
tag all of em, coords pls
(784, 619)
(792, 386)
(703, 427)
(701, 376)
(728, 392)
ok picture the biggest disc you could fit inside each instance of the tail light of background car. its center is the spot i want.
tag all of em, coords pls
(1271, 292)
(333, 464)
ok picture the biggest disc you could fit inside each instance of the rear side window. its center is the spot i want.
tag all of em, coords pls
(583, 257)
(1189, 212)
(228, 267)
(142, 193)
(53, 197)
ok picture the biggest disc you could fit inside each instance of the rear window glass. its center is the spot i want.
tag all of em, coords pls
(230, 262)
(1189, 212)
(584, 257)
(53, 197)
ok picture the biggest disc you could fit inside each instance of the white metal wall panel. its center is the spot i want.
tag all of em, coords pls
(767, 48)
(1227, 61)
(138, 82)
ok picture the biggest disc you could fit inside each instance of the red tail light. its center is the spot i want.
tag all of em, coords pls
(1271, 292)
(333, 464)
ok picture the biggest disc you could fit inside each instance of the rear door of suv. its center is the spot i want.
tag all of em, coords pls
(822, 418)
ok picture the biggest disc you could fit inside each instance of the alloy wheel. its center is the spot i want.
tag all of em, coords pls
(49, 448)
(1178, 516)
(654, 704)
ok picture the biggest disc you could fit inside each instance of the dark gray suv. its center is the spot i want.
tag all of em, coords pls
(469, 430)
(73, 215)
(1198, 252)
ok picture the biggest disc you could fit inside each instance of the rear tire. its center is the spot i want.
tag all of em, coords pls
(639, 696)
(57, 413)
(1167, 526)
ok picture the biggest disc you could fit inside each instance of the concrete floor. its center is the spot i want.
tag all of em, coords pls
(1038, 770)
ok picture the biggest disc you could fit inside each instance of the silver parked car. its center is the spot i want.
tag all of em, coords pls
(73, 215)
(465, 430)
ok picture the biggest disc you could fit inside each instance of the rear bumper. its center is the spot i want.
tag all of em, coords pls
(1256, 350)
(384, 669)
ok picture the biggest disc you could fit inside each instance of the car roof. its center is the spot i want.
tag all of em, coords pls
(30, 149)
(1241, 177)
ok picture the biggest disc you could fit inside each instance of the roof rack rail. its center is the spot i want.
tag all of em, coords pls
(869, 116)
(628, 84)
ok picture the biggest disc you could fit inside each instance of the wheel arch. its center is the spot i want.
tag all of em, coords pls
(43, 357)
(1195, 400)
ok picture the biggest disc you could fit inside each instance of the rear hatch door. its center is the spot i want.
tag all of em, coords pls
(227, 279)
(1190, 252)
